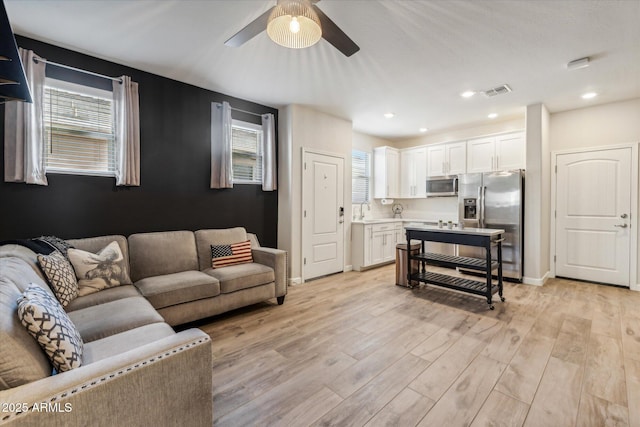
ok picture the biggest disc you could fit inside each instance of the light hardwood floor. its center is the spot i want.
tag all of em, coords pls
(353, 349)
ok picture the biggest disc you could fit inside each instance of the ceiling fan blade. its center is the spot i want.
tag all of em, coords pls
(257, 26)
(334, 35)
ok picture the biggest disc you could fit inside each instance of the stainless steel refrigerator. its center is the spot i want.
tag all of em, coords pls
(495, 200)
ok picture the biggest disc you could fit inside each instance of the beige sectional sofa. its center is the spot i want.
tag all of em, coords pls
(136, 369)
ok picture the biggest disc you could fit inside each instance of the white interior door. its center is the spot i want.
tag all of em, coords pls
(593, 204)
(323, 215)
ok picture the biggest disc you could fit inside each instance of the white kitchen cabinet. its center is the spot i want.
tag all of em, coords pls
(511, 151)
(413, 172)
(496, 153)
(374, 244)
(386, 162)
(446, 159)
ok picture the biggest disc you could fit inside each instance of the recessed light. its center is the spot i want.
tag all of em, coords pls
(467, 94)
(389, 115)
(492, 115)
(423, 130)
(589, 95)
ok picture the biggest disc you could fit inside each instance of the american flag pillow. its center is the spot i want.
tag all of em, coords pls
(236, 253)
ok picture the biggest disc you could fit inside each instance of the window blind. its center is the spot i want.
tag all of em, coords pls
(360, 176)
(246, 155)
(79, 132)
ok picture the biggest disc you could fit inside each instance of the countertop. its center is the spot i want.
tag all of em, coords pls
(467, 230)
(382, 220)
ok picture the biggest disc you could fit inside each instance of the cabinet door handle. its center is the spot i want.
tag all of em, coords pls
(497, 162)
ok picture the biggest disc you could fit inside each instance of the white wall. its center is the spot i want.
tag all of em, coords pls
(598, 126)
(537, 190)
(301, 127)
(601, 125)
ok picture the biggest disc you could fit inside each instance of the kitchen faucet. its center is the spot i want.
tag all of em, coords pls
(362, 211)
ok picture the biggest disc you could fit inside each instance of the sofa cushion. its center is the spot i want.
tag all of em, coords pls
(155, 254)
(242, 276)
(124, 341)
(103, 320)
(171, 289)
(101, 270)
(48, 323)
(227, 255)
(106, 295)
(21, 358)
(224, 236)
(61, 276)
(23, 270)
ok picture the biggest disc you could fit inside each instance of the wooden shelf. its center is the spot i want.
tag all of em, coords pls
(455, 261)
(458, 283)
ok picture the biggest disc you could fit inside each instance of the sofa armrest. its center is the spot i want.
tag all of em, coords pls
(167, 382)
(276, 259)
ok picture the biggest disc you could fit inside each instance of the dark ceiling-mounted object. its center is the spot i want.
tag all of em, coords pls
(13, 82)
(330, 31)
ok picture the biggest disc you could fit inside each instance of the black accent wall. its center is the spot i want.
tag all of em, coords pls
(175, 120)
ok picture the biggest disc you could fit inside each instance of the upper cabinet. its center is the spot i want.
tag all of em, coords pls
(495, 153)
(413, 172)
(386, 163)
(446, 159)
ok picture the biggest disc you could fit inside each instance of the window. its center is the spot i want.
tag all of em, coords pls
(246, 153)
(79, 130)
(360, 176)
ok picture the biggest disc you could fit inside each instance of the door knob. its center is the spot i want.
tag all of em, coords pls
(621, 225)
(623, 216)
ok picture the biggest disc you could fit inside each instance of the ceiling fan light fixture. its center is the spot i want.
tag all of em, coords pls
(294, 24)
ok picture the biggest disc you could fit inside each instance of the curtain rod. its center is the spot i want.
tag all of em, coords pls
(68, 67)
(245, 111)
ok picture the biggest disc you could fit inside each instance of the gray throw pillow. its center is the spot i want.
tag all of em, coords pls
(96, 272)
(61, 276)
(49, 324)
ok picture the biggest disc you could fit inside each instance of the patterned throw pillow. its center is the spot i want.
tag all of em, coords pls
(47, 322)
(96, 272)
(61, 276)
(226, 255)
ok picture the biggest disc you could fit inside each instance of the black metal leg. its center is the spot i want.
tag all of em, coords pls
(409, 259)
(280, 299)
(423, 263)
(488, 252)
(500, 269)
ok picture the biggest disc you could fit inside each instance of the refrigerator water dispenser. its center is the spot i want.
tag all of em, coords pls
(470, 209)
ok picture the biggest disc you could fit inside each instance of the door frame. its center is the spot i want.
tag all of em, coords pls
(633, 220)
(303, 236)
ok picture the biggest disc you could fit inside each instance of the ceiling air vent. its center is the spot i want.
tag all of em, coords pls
(498, 90)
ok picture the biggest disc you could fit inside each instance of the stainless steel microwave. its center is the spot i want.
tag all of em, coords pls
(440, 187)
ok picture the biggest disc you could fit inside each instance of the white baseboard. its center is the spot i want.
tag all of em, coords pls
(295, 281)
(636, 287)
(536, 281)
(348, 268)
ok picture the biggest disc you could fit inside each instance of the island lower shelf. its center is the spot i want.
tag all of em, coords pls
(457, 283)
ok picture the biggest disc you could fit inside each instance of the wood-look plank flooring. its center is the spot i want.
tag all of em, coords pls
(353, 349)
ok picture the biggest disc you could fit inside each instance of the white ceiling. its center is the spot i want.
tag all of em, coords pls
(416, 56)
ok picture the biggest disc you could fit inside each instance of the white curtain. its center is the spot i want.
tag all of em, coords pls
(221, 173)
(24, 144)
(269, 173)
(126, 110)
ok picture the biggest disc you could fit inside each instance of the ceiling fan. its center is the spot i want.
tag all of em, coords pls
(296, 24)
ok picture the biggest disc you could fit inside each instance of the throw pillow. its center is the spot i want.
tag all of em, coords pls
(226, 255)
(61, 276)
(47, 322)
(96, 272)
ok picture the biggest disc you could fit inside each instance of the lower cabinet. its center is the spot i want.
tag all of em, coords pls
(374, 244)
